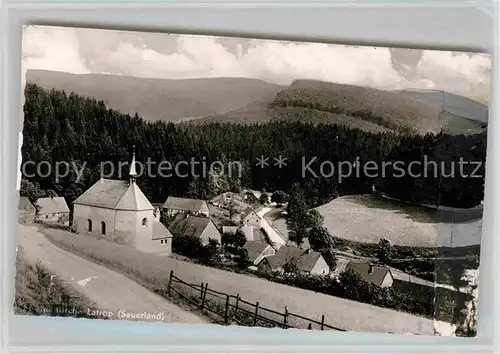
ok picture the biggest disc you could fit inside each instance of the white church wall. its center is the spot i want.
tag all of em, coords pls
(83, 213)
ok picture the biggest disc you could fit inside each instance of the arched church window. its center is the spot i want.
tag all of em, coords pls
(144, 222)
(89, 225)
(103, 228)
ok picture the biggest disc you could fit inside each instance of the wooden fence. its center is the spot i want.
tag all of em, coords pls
(233, 309)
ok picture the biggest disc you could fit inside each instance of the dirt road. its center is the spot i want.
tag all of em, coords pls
(274, 235)
(108, 290)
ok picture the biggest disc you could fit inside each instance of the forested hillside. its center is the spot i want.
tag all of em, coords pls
(319, 102)
(83, 131)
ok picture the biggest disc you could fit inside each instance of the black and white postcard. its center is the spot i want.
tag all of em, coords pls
(248, 182)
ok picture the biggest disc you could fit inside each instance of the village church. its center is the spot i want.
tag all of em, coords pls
(118, 211)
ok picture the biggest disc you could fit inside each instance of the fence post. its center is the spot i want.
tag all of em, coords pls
(256, 314)
(204, 295)
(237, 302)
(226, 314)
(201, 291)
(322, 322)
(285, 318)
(170, 282)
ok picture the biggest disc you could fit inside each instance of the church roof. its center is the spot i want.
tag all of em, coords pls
(52, 205)
(115, 194)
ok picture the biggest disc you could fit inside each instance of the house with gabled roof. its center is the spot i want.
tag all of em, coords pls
(257, 251)
(378, 275)
(52, 210)
(195, 226)
(307, 261)
(26, 210)
(174, 206)
(251, 218)
(118, 211)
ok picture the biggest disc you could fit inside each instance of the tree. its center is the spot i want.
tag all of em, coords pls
(233, 242)
(242, 258)
(330, 257)
(166, 219)
(188, 246)
(291, 266)
(353, 285)
(384, 250)
(314, 218)
(297, 218)
(279, 197)
(321, 241)
(264, 198)
(209, 253)
(320, 238)
(232, 208)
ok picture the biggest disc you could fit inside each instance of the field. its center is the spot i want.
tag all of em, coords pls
(153, 272)
(365, 219)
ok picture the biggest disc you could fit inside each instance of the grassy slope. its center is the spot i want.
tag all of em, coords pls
(154, 274)
(159, 99)
(37, 294)
(459, 115)
(363, 219)
(357, 107)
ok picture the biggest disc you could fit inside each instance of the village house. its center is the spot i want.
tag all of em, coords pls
(250, 197)
(26, 210)
(251, 233)
(378, 275)
(174, 206)
(52, 210)
(118, 211)
(307, 261)
(250, 218)
(257, 251)
(195, 226)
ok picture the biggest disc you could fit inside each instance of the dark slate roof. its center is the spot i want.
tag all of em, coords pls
(25, 204)
(160, 231)
(305, 259)
(52, 205)
(186, 204)
(115, 194)
(376, 276)
(189, 225)
(255, 249)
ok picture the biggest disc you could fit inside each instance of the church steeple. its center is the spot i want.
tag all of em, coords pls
(132, 173)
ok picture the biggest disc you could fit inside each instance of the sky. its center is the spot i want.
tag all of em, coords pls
(153, 55)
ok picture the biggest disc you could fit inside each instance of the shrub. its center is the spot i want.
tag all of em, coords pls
(232, 242)
(384, 252)
(279, 197)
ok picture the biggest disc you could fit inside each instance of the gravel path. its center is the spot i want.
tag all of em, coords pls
(108, 290)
